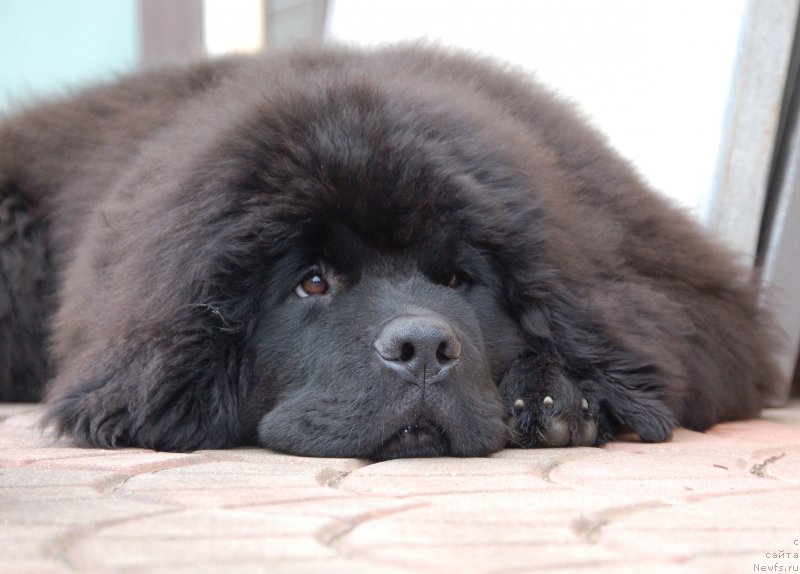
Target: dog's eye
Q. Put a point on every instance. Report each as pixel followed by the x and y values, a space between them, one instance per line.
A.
pixel 454 280
pixel 313 284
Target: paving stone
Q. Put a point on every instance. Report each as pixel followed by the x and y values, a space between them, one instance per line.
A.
pixel 529 556
pixel 26 477
pixel 304 565
pixel 21 542
pixel 782 465
pixel 261 480
pixel 127 461
pixel 742 526
pixel 212 523
pixel 652 474
pixel 201 543
pixel 8 410
pixel 74 511
pixel 24 456
pixel 759 432
pixel 788 417
pixel 199 537
pixel 31 566
pixel 405 477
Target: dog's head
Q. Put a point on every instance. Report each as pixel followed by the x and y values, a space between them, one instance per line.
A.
pixel 363 352
pixel 384 327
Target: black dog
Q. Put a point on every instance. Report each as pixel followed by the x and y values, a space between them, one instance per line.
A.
pixel 335 253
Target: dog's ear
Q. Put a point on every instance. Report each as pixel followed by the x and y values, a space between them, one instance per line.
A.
pixel 158 303
pixel 151 335
pixel 178 390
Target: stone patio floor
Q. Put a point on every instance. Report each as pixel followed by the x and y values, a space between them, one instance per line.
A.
pixel 724 501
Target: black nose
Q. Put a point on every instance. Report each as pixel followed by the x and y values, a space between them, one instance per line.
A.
pixel 421 348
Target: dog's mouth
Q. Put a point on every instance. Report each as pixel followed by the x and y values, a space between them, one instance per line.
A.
pixel 419 439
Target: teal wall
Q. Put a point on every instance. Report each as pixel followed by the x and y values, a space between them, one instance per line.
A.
pixel 47 46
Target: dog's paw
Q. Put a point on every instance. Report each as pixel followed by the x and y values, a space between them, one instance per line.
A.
pixel 86 423
pixel 547 409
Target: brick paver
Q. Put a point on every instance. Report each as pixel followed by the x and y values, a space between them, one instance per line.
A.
pixel 724 501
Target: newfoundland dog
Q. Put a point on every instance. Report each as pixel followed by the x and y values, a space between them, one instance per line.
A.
pixel 404 252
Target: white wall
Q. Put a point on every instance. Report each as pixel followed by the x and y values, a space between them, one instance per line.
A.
pixel 653 74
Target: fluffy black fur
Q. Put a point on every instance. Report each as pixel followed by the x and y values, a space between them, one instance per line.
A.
pixel 339 253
